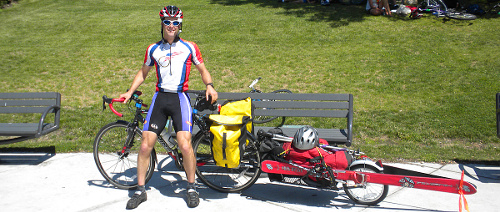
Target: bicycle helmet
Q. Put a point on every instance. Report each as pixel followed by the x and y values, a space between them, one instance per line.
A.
pixel 172 12
pixel 306 138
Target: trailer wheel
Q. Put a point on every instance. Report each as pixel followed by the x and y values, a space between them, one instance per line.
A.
pixel 365 193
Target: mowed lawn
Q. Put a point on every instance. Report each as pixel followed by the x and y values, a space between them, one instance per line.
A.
pixel 424 90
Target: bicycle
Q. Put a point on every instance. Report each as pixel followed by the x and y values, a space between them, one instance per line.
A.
pixel 439 9
pixel 265 119
pixel 116 145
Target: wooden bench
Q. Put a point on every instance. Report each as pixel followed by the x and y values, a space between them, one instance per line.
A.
pixel 302 105
pixel 28 103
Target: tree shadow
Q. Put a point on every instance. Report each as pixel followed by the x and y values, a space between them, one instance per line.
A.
pixel 336 14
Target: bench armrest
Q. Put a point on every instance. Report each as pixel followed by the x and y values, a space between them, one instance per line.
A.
pixel 51 109
pixel 350 120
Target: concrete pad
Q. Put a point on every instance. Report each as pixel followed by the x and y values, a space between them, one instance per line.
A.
pixel 71 182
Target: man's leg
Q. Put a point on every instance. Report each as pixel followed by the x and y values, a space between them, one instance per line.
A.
pixel 189 162
pixel 385 5
pixel 147 143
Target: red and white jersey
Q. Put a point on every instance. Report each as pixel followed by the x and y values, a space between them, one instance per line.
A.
pixel 173 64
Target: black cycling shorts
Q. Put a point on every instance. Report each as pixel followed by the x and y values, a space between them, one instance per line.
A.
pixel 174 105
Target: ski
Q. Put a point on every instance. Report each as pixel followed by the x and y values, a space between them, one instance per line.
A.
pixel 426 183
pixel 434 183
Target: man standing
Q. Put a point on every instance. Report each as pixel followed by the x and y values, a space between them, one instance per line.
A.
pixel 172 57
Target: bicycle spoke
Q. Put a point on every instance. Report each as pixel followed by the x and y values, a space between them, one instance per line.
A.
pixel 226 179
pixel 117 168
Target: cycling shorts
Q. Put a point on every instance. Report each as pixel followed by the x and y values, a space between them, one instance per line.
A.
pixel 177 106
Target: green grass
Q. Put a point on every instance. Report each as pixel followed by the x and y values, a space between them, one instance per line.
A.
pixel 424 89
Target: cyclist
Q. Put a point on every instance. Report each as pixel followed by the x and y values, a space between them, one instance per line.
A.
pixel 172 57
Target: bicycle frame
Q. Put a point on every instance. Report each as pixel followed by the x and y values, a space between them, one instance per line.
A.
pixel 434 6
pixel 198 119
pixel 439 9
pixel 119 142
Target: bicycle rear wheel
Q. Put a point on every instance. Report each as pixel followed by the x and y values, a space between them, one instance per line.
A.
pixel 115 154
pixel 225 179
pixel 265 119
pixel 460 16
pixel 367 193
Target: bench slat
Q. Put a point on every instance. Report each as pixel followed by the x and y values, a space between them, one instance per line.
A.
pixel 27 102
pixel 22 109
pixel 286 96
pixel 18 129
pixel 301 104
pixel 330 135
pixel 22 129
pixel 302 113
pixel 39 95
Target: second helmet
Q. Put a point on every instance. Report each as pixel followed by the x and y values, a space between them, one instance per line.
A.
pixel 306 138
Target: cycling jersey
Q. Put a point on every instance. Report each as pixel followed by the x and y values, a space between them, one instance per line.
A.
pixel 173 64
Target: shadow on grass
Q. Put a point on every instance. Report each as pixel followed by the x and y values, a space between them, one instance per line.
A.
pixel 336 14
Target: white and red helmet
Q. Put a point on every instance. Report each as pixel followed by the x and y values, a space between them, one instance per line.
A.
pixel 171 12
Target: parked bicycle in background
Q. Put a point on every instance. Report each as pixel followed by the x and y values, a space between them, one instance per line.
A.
pixel 266 119
pixel 439 9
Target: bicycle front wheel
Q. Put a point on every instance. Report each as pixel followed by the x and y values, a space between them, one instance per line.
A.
pixel 366 193
pixel 265 119
pixel 226 179
pixel 116 148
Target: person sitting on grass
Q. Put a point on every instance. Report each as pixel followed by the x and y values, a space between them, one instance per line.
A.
pixel 378 7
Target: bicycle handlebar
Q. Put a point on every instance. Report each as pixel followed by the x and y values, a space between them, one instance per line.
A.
pixel 274 136
pixel 201 103
pixel 254 82
pixel 110 102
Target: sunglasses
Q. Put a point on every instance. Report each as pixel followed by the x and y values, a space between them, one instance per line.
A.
pixel 168 22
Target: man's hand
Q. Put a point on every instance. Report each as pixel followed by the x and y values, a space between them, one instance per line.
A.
pixel 126 96
pixel 211 92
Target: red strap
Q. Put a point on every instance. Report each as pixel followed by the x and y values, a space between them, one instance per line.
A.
pixel 461 192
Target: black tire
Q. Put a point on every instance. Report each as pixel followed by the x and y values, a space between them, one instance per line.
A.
pixel 225 179
pixel 265 119
pixel 119 169
pixel 368 193
pixel 460 16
